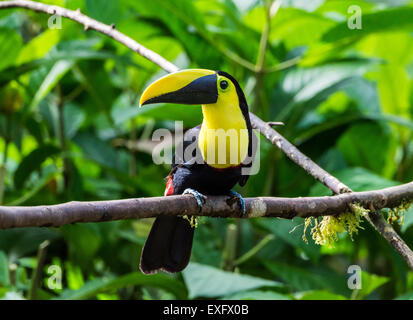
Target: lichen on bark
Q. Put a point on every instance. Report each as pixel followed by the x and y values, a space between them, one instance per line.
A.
pixel 326 231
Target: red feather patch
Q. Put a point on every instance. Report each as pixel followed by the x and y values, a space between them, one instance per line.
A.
pixel 169 190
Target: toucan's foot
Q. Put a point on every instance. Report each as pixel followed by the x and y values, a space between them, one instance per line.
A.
pixel 200 198
pixel 240 199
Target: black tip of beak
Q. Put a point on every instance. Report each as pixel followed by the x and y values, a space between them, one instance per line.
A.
pixel 147 102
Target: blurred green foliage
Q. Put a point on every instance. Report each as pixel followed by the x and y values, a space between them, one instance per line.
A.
pixel 70 129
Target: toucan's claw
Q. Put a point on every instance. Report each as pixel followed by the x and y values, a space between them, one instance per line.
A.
pixel 240 199
pixel 200 198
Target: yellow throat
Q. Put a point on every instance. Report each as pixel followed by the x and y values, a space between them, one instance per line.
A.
pixel 223 139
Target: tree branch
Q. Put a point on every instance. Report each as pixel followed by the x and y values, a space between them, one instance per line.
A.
pixel 299 158
pixel 214 207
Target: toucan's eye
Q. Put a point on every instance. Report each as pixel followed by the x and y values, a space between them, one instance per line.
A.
pixel 223 84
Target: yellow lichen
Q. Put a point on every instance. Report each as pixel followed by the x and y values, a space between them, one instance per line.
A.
pixel 193 221
pixel 307 222
pixel 326 231
pixel 397 214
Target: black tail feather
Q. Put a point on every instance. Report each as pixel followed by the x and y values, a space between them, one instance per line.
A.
pixel 168 246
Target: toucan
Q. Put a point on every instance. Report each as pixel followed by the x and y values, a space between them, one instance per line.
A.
pixel 206 163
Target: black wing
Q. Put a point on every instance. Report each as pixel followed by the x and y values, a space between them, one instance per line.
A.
pixel 187 150
pixel 248 161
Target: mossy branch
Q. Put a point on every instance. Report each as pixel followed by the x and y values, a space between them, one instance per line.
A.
pixel 215 206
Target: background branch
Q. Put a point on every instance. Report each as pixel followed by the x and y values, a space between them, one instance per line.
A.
pixel 93 24
pixel 293 153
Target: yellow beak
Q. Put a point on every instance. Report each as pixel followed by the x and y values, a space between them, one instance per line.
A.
pixel 191 86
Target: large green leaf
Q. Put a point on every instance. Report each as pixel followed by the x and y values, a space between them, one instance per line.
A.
pixel 318 295
pixel 180 19
pixel 39 46
pixel 190 115
pixel 302 279
pixel 73 116
pixel 4 270
pixel 49 174
pixel 97 149
pixel 32 162
pixel 406 296
pixel 12 295
pixel 366 152
pixel 93 287
pixel 55 56
pixel 257 295
pixel 394 47
pixel 206 281
pixel 83 241
pixel 298 27
pixel 394 89
pixel 369 283
pixel 340 8
pixel 290 231
pixel 54 75
pixel 304 88
pixel 105 11
pixel 297 278
pixel 25 241
pixel 382 21
pixel 11 43
pixel 358 179
pixel 408 219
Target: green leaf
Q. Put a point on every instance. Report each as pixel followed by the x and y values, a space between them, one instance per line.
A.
pixel 25 241
pixel 408 219
pixel 302 89
pixel 11 43
pixel 180 18
pixel 341 7
pixel 394 47
pixel 206 281
pixel 306 280
pixel 74 276
pixel 358 179
pixel 32 162
pixel 104 11
pixel 83 241
pixel 298 27
pixel 4 270
pixel 39 46
pixel 93 287
pixel 318 295
pixel 49 174
pixel 394 90
pixel 69 52
pixel 12 295
pixel 257 295
pixel 369 283
pixel 190 115
pixel 289 232
pixel 53 77
pixel 406 296
pixel 97 149
pixel 124 109
pixel 382 21
pixel 379 158
pixel 73 116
